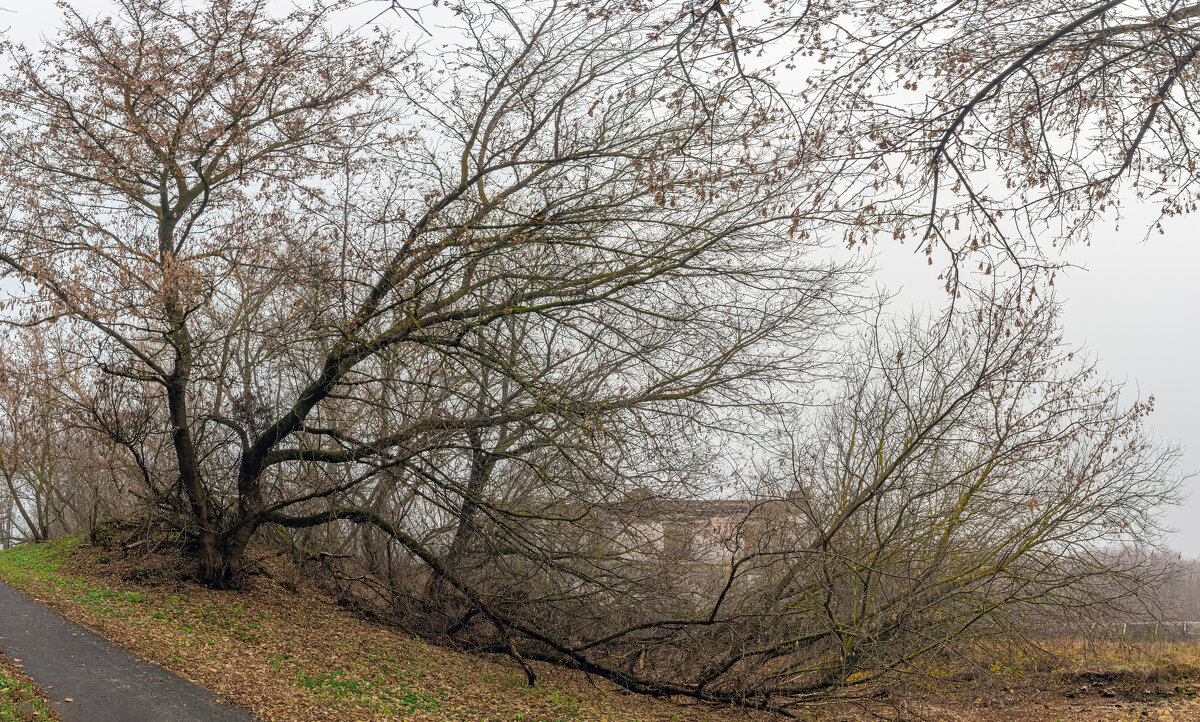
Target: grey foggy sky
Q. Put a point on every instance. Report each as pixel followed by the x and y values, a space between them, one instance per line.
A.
pixel 1134 307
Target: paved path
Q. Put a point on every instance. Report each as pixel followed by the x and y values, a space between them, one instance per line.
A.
pixel 105 682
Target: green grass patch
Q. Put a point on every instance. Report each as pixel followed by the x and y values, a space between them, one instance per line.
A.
pixel 376 694
pixel 37 562
pixel 20 700
pixel 41 568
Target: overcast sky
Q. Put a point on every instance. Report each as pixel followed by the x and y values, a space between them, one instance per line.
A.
pixel 1133 305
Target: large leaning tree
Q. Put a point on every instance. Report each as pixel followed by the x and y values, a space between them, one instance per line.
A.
pixel 344 276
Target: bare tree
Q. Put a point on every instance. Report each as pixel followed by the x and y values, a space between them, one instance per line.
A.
pixel 504 320
pixel 58 477
pixel 968 475
pixel 304 240
pixel 29 440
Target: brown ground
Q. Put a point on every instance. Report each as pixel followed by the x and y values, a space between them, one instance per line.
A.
pixel 21 699
pixel 1043 700
pixel 1072 683
pixel 285 655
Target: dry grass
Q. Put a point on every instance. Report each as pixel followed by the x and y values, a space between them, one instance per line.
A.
pixel 296 656
pixel 1068 680
pixel 1146 661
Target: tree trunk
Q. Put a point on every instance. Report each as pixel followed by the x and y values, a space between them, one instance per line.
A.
pixel 481 468
pixel 222 556
pixel 467 532
pixel 215 570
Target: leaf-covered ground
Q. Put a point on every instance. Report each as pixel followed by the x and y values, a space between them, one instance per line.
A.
pixel 21 699
pixel 284 655
pixel 295 655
